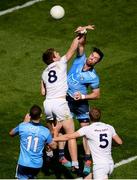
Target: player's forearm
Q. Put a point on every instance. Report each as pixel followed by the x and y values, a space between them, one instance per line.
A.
pixel 117 139
pixel 43 90
pixel 92 96
pixel 12 133
pixel 72 48
pixel 61 138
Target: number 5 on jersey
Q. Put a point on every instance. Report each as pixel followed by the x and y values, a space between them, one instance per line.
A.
pixel 103 140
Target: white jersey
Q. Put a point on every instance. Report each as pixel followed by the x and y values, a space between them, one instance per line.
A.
pixel 99 136
pixel 55 79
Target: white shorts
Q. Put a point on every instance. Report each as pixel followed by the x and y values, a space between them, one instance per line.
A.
pixel 57 109
pixel 102 171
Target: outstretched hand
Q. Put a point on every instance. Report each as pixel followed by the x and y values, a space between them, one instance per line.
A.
pixel 55 129
pixel 27 118
pixel 83 29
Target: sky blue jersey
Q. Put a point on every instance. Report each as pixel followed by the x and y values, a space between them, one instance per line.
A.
pixel 79 80
pixel 33 137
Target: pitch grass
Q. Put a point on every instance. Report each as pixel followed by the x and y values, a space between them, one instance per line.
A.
pixel 5 4
pixel 26 33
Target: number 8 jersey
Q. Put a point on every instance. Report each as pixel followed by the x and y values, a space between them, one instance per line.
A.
pixel 55 79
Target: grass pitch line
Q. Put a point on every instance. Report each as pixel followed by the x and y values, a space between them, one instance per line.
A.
pixel 19 7
pixel 126 161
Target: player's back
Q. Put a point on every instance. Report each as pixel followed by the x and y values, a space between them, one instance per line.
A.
pixel 33 137
pixel 100 141
pixel 55 79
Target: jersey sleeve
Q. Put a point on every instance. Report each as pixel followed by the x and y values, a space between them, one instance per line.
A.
pixel 49 139
pixel 42 76
pixel 82 131
pixel 63 59
pixel 80 59
pixel 95 83
pixel 113 131
pixel 16 130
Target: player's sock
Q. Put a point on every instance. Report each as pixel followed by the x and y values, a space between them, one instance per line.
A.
pixel 49 153
pixel 62 159
pixel 87 164
pixel 61 153
pixel 75 164
pixel 87 167
pixel 65 162
pixel 87 157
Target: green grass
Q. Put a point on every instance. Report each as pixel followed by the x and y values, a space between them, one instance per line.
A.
pixel 26 33
pixel 6 4
pixel 126 171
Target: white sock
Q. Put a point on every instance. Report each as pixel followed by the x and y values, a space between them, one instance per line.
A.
pixel 75 164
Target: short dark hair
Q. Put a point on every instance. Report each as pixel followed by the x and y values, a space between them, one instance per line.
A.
pixel 95 114
pixel 35 112
pixel 48 56
pixel 97 50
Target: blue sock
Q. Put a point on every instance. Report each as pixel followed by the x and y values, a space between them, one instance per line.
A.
pixel 87 157
pixel 61 153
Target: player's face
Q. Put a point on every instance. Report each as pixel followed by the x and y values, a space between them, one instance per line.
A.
pixel 56 56
pixel 93 59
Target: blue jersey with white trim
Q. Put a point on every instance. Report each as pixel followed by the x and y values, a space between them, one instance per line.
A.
pixel 79 80
pixel 33 137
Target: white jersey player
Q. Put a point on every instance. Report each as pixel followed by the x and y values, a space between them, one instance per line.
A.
pixel 54 87
pixel 100 136
pixel 55 80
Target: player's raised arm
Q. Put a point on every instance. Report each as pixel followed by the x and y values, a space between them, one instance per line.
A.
pixel 72 48
pixel 81 33
pixel 27 118
pixel 79 42
pixel 83 29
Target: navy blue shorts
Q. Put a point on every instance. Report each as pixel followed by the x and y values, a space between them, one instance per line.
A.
pixel 79 109
pixel 23 172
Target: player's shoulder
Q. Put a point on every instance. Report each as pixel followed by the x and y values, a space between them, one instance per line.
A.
pixel 23 123
pixel 94 73
pixel 44 129
pixel 63 59
pixel 109 126
pixel 79 59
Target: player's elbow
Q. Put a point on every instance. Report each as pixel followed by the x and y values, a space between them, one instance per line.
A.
pixel 43 93
pixel 97 95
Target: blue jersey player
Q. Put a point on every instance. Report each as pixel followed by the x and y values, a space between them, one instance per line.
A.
pixel 33 138
pixel 82 76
